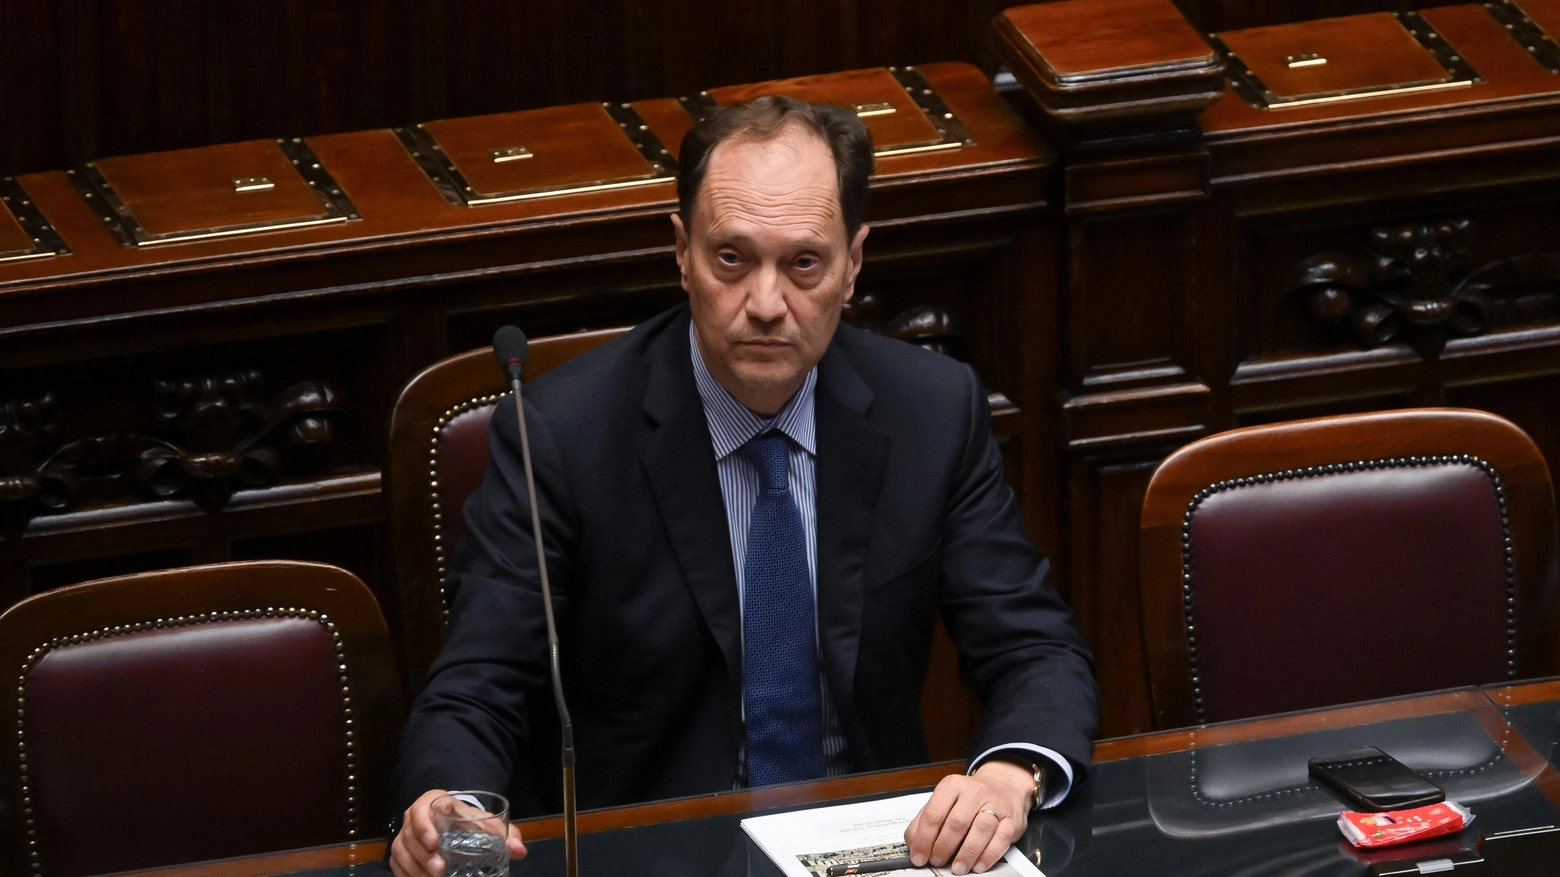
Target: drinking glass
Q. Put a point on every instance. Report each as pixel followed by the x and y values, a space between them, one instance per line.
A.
pixel 473 833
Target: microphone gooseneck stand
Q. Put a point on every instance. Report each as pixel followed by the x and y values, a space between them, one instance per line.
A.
pixel 513 364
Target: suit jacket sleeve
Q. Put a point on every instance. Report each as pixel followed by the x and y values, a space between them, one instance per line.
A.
pixel 1019 650
pixel 468 724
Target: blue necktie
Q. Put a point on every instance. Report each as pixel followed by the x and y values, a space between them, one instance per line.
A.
pixel 780 690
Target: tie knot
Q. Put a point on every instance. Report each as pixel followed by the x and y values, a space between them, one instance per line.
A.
pixel 770 454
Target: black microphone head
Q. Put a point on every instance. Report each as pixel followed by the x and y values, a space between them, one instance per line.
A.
pixel 509 347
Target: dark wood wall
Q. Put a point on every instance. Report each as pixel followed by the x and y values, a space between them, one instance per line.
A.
pixel 80 79
pixel 1219 15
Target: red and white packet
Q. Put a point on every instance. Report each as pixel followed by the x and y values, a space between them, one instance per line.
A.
pixel 1401 826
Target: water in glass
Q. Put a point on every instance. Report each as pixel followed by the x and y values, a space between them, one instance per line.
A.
pixel 470 853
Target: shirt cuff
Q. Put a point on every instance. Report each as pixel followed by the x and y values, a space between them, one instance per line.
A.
pixel 1059 774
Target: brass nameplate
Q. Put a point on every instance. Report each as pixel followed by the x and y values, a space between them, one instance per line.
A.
pixel 1310 59
pixel 875 108
pixel 252 184
pixel 510 153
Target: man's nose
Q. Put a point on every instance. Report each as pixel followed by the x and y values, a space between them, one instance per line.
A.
pixel 766 296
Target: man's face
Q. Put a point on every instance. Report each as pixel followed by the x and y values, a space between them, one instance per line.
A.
pixel 766 263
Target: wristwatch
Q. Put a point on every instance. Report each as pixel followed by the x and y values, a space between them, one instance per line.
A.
pixel 1037 772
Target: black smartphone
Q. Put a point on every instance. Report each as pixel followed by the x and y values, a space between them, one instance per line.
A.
pixel 1374 781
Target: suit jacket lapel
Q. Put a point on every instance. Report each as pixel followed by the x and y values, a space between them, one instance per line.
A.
pixel 850 462
pixel 680 464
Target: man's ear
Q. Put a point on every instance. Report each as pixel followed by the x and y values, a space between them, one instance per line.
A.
pixel 855 261
pixel 682 248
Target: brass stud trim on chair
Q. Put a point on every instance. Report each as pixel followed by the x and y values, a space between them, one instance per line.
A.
pixel 1189 604
pixel 37 654
pixel 436 506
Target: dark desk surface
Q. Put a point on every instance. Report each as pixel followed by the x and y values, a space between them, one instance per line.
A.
pixel 1215 800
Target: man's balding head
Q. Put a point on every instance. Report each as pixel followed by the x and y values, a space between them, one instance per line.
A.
pixel 839 129
pixel 769 237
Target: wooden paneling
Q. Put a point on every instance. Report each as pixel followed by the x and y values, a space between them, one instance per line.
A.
pixel 83 79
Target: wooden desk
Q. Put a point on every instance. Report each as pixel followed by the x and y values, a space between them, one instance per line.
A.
pixel 1126 798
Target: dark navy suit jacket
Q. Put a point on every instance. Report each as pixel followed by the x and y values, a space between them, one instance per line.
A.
pixel 913 517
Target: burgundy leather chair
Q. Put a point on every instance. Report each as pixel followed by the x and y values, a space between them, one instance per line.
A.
pixel 193 714
pixel 1347 558
pixel 438 452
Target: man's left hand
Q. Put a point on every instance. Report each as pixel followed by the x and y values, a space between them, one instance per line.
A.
pixel 972 820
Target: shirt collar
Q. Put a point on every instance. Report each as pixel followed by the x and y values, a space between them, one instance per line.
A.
pixel 732 424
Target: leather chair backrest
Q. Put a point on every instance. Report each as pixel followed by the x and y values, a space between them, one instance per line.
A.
pixel 438 455
pixel 198 713
pixel 1343 559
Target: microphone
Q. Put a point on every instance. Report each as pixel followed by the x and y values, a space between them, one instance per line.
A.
pixel 510 350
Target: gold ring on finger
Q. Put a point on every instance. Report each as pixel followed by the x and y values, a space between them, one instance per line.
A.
pixel 992 812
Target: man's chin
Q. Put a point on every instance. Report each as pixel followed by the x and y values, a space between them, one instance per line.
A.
pixel 767 379
pixel 776 378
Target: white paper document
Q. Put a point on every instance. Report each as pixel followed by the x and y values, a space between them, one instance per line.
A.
pixel 804 843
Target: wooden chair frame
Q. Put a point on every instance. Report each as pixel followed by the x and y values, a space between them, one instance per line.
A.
pixel 437 395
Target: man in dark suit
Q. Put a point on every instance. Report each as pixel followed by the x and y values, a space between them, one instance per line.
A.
pixel 752 516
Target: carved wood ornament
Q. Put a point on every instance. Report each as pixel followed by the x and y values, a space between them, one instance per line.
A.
pixel 214 435
pixel 1416 284
pixel 27 429
pixel 928 326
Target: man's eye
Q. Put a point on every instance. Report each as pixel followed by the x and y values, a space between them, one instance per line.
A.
pixel 806 262
pixel 727 258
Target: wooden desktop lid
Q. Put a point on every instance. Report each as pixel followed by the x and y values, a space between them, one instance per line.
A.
pixel 537 153
pixel 211 191
pixel 1083 40
pixel 886 100
pixel 1338 57
pixel 1087 60
pixel 1545 14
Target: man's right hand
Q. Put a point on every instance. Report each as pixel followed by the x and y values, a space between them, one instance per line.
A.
pixel 415 850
